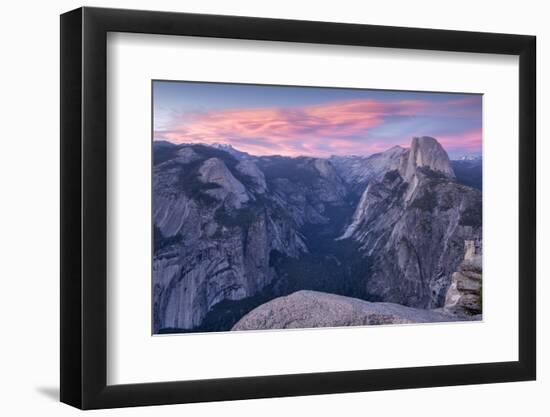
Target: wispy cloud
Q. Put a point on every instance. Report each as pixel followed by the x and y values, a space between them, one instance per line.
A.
pixel 468 141
pixel 337 127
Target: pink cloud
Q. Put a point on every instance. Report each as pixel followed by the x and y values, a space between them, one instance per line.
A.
pixel 319 130
pixel 288 131
pixel 466 141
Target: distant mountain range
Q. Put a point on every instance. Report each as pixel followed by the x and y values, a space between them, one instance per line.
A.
pixel 469 171
pixel 233 230
pixel 469 158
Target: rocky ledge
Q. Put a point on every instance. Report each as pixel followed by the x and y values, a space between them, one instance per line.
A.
pixel 308 309
pixel 464 295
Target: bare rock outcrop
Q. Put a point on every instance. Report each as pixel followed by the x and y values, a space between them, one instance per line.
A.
pixel 357 170
pixel 464 296
pixel 310 309
pixel 250 169
pixel 426 152
pixel 214 171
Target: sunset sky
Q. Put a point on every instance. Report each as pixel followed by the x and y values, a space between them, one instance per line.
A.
pixel 292 121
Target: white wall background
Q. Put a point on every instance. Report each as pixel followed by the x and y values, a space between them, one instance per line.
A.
pixel 29 225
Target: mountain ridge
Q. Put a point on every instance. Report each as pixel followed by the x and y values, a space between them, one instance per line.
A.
pixel 233 230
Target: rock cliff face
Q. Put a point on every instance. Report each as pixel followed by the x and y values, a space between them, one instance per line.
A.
pixel 412 224
pixel 310 309
pixel 218 220
pixel 357 171
pixel 232 230
pixel 426 152
pixel 212 239
pixel 464 296
pixel 229 190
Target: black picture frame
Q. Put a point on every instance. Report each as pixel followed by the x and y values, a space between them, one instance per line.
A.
pixel 84 207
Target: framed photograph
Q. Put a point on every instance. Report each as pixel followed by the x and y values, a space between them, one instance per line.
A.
pixel 256 208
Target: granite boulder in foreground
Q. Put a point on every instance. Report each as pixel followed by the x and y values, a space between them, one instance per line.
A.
pixel 308 309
